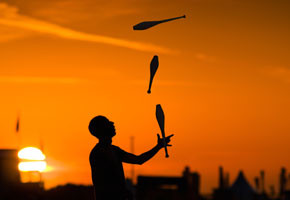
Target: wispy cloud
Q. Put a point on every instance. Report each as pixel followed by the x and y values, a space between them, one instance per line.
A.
pixel 9 16
pixel 7 34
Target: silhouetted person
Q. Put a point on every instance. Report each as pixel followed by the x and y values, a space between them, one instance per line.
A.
pixel 106 160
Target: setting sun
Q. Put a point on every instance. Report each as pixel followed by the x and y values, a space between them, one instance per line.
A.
pixel 31 153
pixel 32 159
pixel 39 166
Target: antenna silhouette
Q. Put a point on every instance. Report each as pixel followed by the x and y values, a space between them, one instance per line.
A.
pixel 132 141
pixel 17 131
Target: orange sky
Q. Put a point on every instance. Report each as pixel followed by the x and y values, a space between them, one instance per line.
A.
pixel 223 82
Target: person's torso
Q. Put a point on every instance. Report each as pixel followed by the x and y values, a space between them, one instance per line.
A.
pixel 107 170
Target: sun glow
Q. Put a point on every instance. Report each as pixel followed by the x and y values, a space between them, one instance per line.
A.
pixel 39 166
pixel 32 159
pixel 31 153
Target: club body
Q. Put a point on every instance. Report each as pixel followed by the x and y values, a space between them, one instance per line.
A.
pixel 153 68
pixel 161 120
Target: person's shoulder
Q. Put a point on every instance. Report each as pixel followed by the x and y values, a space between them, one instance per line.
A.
pixel 95 150
pixel 97 153
pixel 118 149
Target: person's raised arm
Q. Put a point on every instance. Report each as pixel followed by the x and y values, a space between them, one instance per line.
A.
pixel 134 159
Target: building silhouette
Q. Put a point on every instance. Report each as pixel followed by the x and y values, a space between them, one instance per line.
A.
pixel 185 187
pixel 241 189
pixel 9 174
pixel 11 187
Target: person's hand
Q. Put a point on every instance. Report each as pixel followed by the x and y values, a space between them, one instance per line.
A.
pixel 160 142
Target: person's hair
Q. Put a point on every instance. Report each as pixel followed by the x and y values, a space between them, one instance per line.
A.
pixel 98 125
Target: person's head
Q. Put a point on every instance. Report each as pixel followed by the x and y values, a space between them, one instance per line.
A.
pixel 102 128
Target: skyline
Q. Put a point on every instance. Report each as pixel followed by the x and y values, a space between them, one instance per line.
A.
pixel 224 89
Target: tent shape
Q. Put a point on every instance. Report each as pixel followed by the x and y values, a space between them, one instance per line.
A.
pixel 241 189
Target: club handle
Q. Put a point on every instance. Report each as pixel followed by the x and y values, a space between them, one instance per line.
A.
pixel 166 152
pixel 165 147
pixel 150 84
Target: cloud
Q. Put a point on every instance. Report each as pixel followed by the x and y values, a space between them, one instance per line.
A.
pixel 9 16
pixel 7 34
pixel 75 11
